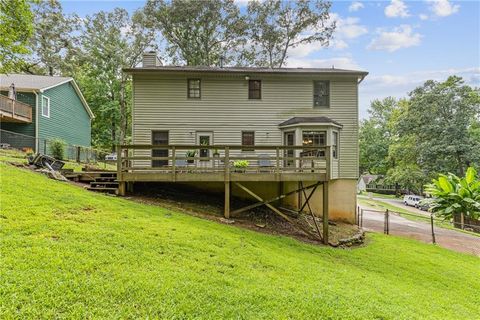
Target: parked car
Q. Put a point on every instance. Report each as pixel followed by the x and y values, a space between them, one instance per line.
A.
pixel 425 204
pixel 111 157
pixel 412 200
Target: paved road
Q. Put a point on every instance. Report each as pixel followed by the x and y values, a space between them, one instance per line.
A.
pixel 398 203
pixel 450 239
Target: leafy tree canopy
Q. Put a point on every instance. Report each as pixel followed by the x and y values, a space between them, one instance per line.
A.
pixel 16 28
pixel 277 26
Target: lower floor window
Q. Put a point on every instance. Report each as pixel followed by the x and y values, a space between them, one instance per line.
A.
pixel 314 139
pixel 248 139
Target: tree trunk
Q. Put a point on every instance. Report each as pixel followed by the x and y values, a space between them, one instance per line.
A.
pixel 114 136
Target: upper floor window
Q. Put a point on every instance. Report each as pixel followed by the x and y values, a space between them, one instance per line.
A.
pixel 194 91
pixel 335 144
pixel 254 89
pixel 46 107
pixel 248 139
pixel 321 93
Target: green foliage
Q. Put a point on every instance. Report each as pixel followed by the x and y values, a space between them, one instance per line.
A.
pixel 454 195
pixel 376 136
pixel 16 28
pixel 53 44
pixel 436 130
pixel 111 41
pixel 191 153
pixel 108 257
pixel 241 164
pixel 57 148
pixel 278 26
pixel 199 32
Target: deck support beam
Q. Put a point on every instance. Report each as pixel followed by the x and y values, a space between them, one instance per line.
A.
pixel 226 212
pixel 267 203
pixel 121 188
pixel 325 212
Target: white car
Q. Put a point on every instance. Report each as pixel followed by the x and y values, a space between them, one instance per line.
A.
pixel 412 200
pixel 111 157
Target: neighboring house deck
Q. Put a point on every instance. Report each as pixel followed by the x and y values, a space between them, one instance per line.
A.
pixel 14 111
pixel 294 128
pixel 45 108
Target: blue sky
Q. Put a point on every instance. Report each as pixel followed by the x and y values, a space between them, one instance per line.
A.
pixel 400 43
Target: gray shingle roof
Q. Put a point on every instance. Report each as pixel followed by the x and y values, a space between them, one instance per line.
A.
pixel 30 82
pixel 298 120
pixel 246 70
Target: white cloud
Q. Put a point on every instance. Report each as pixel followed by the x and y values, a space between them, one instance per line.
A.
pixel 346 29
pixel 423 16
pixel 443 8
pixel 399 85
pixel 338 63
pixel 397 8
pixel 355 6
pixel 399 37
pixel 349 28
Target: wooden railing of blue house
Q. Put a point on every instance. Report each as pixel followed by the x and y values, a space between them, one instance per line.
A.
pixel 14 111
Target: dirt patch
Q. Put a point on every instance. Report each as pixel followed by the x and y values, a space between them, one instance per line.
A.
pixel 209 206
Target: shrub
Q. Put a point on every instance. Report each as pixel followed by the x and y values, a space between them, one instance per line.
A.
pixel 57 148
pixel 456 196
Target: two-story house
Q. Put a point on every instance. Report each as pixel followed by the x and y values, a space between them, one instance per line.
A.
pixel 292 126
pixel 37 109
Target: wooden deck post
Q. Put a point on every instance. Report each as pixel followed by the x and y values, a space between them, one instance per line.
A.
pixel 325 212
pixel 226 163
pixel 121 184
pixel 227 200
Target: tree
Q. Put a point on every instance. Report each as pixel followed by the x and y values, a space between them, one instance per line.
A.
pixel 111 41
pixel 16 28
pixel 277 26
pixel 439 115
pixel 376 136
pixel 53 41
pixel 456 196
pixel 198 32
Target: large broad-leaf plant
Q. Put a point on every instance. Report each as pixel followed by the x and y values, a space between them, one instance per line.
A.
pixel 453 195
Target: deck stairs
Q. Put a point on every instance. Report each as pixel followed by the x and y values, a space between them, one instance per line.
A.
pixel 100 181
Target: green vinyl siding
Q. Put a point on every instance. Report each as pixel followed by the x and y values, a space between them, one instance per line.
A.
pixel 23 128
pixel 68 119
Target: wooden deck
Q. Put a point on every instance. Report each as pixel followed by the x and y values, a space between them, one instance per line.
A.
pixel 14 111
pixel 220 163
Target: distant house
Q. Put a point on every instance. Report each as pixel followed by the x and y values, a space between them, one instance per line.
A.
pixel 364 180
pixel 35 109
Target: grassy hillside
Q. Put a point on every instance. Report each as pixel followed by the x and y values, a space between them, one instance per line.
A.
pixel 69 253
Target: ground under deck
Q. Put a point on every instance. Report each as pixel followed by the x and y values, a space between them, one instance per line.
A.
pixel 176 163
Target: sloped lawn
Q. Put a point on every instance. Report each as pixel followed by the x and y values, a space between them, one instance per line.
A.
pixel 70 253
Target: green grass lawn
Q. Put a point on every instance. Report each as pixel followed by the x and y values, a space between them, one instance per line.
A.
pixel 20 157
pixel 69 253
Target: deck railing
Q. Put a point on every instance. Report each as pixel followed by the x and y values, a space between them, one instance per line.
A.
pixel 224 159
pixel 15 110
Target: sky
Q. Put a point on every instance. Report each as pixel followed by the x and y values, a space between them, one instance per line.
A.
pixel 400 43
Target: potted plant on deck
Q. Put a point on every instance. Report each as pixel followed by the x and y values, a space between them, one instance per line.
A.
pixel 240 165
pixel 190 154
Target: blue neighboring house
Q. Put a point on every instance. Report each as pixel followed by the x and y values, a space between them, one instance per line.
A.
pixel 43 108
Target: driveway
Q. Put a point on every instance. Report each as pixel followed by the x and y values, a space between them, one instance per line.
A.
pixel 398 203
pixel 399 226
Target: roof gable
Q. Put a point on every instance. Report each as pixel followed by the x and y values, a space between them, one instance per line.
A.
pixel 29 82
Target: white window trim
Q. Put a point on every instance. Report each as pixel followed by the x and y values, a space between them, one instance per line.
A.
pixel 48 107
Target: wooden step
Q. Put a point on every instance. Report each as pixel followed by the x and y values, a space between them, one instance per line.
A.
pixel 102 189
